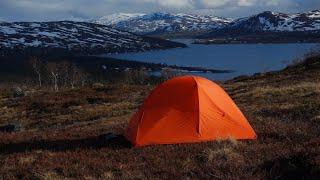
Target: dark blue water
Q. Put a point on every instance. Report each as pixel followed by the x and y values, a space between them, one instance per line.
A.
pixel 244 59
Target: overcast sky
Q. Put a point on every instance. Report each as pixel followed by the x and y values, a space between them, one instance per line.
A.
pixel 37 10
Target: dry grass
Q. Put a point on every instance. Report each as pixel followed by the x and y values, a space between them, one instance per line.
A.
pixel 59 135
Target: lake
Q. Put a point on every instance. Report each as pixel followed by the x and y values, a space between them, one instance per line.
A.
pixel 243 59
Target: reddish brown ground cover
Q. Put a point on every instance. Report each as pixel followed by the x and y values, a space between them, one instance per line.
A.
pixel 60 133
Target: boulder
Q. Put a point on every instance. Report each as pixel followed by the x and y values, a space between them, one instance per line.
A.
pixel 18 92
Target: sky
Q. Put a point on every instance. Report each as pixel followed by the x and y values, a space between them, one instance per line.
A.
pixel 46 10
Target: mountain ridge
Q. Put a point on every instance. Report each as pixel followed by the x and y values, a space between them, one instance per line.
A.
pixel 269 27
pixel 162 22
pixel 274 21
pixel 78 37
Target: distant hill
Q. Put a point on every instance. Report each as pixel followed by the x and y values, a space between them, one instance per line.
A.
pixel 270 27
pixel 113 19
pixel 75 37
pixel 272 21
pixel 210 26
pixel 161 23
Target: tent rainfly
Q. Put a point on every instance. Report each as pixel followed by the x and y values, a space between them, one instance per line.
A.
pixel 187 109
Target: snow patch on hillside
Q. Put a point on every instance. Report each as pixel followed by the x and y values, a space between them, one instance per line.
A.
pixel 78 36
pixel 273 21
pixel 163 22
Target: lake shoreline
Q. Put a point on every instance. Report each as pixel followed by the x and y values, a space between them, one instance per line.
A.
pixel 227 41
pixel 13 68
pixel 122 65
pixel 243 59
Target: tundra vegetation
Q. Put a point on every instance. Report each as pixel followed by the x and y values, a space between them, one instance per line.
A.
pixel 54 128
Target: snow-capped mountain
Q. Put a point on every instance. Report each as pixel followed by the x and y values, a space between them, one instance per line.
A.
pixel 113 19
pixel 271 27
pixel 164 23
pixel 158 23
pixel 73 36
pixel 272 21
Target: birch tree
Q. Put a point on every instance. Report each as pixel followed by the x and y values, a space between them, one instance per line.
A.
pixel 37 67
pixel 53 70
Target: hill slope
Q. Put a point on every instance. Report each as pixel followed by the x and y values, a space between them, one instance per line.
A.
pixel 79 37
pixel 170 23
pixel 62 131
pixel 272 21
pixel 270 27
pixel 160 23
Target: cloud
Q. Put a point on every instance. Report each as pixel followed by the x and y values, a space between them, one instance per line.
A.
pixel 246 2
pixel 171 3
pixel 31 10
pixel 214 3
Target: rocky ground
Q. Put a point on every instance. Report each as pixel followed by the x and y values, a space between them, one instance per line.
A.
pixel 56 135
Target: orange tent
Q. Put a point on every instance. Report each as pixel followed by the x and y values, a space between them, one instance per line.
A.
pixel 187 109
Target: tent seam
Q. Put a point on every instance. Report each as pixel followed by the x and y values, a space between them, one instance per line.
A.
pixel 197 106
pixel 138 128
pixel 223 112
